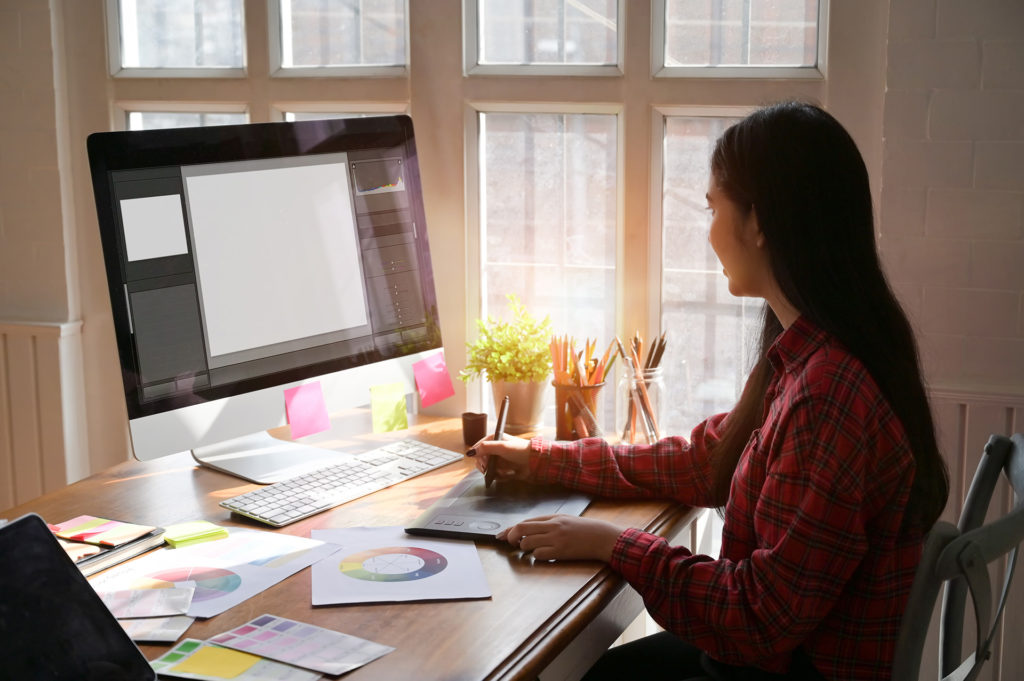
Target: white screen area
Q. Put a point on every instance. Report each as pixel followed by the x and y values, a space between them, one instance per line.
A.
pixel 153 227
pixel 277 257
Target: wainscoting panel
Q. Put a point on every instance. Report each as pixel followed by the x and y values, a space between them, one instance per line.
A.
pixel 964 422
pixel 39 409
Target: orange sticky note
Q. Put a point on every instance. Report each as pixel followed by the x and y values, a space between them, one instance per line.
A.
pixel 432 380
pixel 306 410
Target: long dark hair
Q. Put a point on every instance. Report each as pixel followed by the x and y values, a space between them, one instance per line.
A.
pixel 800 171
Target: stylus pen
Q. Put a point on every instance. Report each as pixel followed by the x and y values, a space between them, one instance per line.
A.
pixel 499 433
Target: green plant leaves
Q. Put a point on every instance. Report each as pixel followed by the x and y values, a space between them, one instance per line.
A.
pixel 513 351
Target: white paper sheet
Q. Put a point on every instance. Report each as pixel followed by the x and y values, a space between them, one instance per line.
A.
pixel 384 564
pixel 157 629
pixel 129 603
pixel 225 572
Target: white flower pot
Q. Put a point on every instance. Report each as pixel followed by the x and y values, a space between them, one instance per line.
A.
pixel 525 404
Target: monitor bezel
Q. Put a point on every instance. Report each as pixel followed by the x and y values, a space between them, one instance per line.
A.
pixel 110 152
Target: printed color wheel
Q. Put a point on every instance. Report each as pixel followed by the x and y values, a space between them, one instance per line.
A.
pixel 393 564
pixel 210 582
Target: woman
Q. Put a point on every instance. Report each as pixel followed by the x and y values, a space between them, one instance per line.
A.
pixel 827 467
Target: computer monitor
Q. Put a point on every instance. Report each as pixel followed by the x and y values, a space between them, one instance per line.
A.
pixel 243 260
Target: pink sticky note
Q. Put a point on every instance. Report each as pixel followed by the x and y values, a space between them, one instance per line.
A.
pixel 306 410
pixel 432 379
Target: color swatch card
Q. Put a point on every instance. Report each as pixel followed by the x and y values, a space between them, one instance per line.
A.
pixel 157 629
pixel 129 603
pixel 192 659
pixel 100 531
pixel 224 572
pixel 303 645
pixel 384 564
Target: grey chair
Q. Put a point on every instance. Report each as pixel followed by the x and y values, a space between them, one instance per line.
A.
pixel 959 558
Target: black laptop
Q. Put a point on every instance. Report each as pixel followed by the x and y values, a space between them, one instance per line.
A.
pixel 53 625
pixel 472 511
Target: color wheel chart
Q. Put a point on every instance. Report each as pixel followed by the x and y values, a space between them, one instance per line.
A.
pixel 225 572
pixel 385 565
pixel 210 582
pixel 393 564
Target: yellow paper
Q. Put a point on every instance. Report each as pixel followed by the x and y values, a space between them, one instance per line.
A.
pixel 213 661
pixel 387 406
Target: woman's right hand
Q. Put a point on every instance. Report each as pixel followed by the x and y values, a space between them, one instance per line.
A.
pixel 513 456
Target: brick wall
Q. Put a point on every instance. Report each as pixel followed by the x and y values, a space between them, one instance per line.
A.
pixel 952 233
pixel 952 213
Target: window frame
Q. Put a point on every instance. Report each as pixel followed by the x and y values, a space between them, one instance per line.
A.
pixel 279 109
pixel 659 127
pixel 275 53
pixel 660 70
pixel 113 21
pixel 124 107
pixel 476 397
pixel 473 67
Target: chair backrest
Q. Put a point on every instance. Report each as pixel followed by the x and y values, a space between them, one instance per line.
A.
pixel 958 558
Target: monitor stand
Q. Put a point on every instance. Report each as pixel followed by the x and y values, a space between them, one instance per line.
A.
pixel 263 459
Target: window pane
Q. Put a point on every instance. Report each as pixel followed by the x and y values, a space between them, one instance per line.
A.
pixel 547 32
pixel 153 120
pixel 708 330
pixel 548 214
pixel 741 32
pixel 291 116
pixel 342 33
pixel 181 34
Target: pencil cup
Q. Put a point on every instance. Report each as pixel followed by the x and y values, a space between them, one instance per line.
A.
pixel 639 404
pixel 576 410
pixel 474 427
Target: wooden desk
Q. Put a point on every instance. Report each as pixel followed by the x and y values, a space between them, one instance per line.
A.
pixel 535 612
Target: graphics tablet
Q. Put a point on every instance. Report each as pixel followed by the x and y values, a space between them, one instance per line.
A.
pixel 53 625
pixel 472 511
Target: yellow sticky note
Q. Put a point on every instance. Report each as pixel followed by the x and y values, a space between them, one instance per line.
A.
pixel 387 406
pixel 223 663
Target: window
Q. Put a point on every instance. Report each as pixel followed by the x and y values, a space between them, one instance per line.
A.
pixel 548 197
pixel 180 38
pixel 740 38
pixel 520 37
pixel 152 120
pixel 704 373
pixel 338 37
pixel 552 171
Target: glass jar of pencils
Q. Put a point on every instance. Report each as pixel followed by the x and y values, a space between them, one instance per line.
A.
pixel 639 402
pixel 576 410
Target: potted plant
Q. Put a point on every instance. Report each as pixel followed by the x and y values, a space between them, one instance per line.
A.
pixel 515 357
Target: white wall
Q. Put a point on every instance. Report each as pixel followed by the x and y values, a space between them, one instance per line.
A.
pixel 43 421
pixel 952 214
pixel 33 277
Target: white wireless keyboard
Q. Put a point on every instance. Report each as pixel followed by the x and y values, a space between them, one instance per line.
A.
pixel 302 496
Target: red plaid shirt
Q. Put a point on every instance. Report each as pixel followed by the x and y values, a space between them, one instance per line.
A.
pixel 812 553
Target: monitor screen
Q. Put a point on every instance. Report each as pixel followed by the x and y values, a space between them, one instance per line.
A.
pixel 246 259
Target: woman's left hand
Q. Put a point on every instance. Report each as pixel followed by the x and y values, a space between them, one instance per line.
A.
pixel 563 537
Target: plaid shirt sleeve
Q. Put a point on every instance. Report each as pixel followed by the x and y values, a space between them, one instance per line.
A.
pixel 672 468
pixel 812 553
